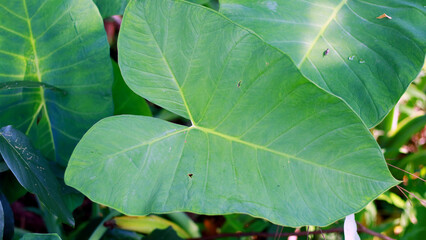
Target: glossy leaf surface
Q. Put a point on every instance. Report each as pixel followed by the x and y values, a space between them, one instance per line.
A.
pixel 264 141
pixel 343 47
pixel 34 173
pixel 61 46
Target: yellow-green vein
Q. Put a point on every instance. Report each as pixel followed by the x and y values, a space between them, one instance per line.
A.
pixel 39 75
pixel 321 32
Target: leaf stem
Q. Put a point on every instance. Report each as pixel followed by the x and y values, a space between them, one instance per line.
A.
pixel 101 229
pixel 415 176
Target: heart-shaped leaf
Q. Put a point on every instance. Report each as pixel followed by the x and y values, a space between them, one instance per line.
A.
pixel 34 173
pixel 264 140
pixel 344 46
pixel 55 61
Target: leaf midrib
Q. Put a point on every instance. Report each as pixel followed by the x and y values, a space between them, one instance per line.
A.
pixel 238 140
pixel 170 69
pixel 42 106
pixel 257 146
pixel 321 32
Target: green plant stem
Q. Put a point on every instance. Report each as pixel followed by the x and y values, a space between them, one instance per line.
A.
pixel 50 220
pixel 186 223
pixel 101 229
pixel 96 211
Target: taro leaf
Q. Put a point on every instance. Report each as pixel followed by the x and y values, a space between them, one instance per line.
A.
pixel 37 236
pixel 370 61
pixel 125 100
pixel 60 46
pixel 264 140
pixel 33 172
pixel 108 8
pixel 6 219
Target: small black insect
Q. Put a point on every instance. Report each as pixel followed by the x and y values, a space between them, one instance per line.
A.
pixel 190 175
pixel 325 53
pixel 239 84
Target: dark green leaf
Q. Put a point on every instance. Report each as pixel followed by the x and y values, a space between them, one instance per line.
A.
pixel 10 187
pixel 264 140
pixel 163 234
pixel 108 8
pixel 412 162
pixel 3 165
pixel 118 234
pixel 62 47
pixel 125 100
pixel 243 223
pixel 6 219
pixel 418 230
pixel 370 61
pixel 33 172
pixel 37 236
pixel 403 134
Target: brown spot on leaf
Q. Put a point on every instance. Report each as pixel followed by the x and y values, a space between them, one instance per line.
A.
pixel 384 15
pixel 190 175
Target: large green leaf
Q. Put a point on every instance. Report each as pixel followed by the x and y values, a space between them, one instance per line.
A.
pixel 62 46
pixel 264 140
pixel 34 173
pixel 370 61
